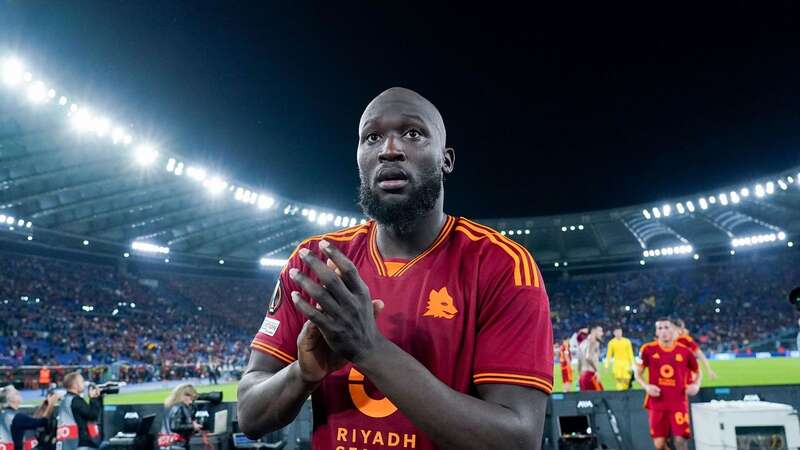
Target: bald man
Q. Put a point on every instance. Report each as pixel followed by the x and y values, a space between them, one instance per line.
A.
pixel 415 330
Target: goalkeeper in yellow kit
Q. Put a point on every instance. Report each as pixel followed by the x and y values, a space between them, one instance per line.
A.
pixel 621 351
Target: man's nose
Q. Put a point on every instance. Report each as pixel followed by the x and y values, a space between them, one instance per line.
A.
pixel 391 151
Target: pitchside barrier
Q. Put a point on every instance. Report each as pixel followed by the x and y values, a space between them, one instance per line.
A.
pixel 579 410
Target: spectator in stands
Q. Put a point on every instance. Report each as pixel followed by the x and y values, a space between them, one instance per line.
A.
pixel 178 424
pixel 77 420
pixel 798 335
pixel 15 427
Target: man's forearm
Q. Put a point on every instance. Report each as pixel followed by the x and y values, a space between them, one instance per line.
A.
pixel 268 402
pixel 449 418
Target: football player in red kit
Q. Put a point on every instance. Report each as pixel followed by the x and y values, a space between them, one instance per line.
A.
pixel 673 374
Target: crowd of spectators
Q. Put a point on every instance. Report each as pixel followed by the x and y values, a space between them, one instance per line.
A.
pixel 148 326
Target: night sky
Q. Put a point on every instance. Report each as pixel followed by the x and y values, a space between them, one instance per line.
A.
pixel 550 111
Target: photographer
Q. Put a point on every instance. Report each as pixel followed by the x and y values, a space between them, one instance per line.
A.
pixel 47 435
pixel 77 420
pixel 178 425
pixel 16 428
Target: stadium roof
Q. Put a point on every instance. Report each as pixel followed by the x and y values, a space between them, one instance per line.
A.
pixel 71 178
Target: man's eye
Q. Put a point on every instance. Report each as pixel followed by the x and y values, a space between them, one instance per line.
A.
pixel 373 138
pixel 413 134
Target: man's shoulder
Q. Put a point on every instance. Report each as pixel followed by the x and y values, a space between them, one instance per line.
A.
pixel 497 251
pixel 648 347
pixel 347 240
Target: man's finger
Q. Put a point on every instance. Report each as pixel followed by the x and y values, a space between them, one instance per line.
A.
pixel 377 307
pixel 315 291
pixel 332 265
pixel 348 271
pixel 314 315
pixel 332 282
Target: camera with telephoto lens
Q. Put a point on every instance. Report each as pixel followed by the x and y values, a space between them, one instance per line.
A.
pixel 111 387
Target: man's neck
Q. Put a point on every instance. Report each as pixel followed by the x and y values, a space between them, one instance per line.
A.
pixel 73 392
pixel 412 239
pixel 666 344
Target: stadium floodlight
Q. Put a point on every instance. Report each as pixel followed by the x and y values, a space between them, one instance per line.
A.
pixel 519 232
pixel 556 264
pixel 690 206
pixel 51 93
pixel 196 173
pixel 353 221
pixel 239 194
pixel 510 232
pixel 712 200
pixel 273 262
pixel 30 238
pixel 744 192
pixel 85 242
pixel 101 125
pixel 215 185
pixel 666 210
pixel 304 212
pixel 20 222
pixel 733 252
pixel 147 247
pixel 781 235
pixel 221 262
pixel 789 179
pixel 734 197
pixel 790 244
pixel 646 214
pixel 171 165
pixel 126 255
pixel 680 208
pixel 563 228
pixel 265 201
pixel 656 213
pixel 527 231
pixel 82 120
pixel 179 169
pixel 696 257
pixel 10 220
pixel 117 135
pixel 312 215
pixel 783 185
pixel 337 221
pixel 13 71
pixel 37 92
pixel 62 101
pixel 572 228
pixel 759 191
pixel 703 203
pixel 166 260
pixel 770 187
pixel 2 218
pixel 145 155
pixel 641 263
pixel 723 199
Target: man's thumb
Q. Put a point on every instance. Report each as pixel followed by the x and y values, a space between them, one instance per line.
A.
pixel 377 306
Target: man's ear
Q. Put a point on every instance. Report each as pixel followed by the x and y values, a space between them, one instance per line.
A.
pixel 448 160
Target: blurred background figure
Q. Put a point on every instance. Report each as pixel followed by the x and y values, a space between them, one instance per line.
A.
pixel 17 428
pixel 46 437
pixel 44 380
pixel 620 351
pixel 77 420
pixel 178 425
pixel 565 360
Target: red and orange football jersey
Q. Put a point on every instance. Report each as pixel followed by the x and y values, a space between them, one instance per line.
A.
pixel 671 369
pixel 472 308
pixel 687 341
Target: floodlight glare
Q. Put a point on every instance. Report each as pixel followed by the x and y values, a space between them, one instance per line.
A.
pixel 272 262
pixel 37 93
pixel 265 201
pixel 646 214
pixel 13 71
pixel 690 206
pixel 145 155
pixel 149 248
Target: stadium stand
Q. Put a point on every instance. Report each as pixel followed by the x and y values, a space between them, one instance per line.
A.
pixel 67 313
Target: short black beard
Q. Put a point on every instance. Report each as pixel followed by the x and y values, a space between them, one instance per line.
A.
pixel 401 216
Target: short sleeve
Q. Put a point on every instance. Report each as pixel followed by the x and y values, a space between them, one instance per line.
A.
pixel 515 336
pixel 691 362
pixel 282 324
pixel 644 356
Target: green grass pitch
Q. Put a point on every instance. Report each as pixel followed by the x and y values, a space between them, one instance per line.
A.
pixel 740 372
